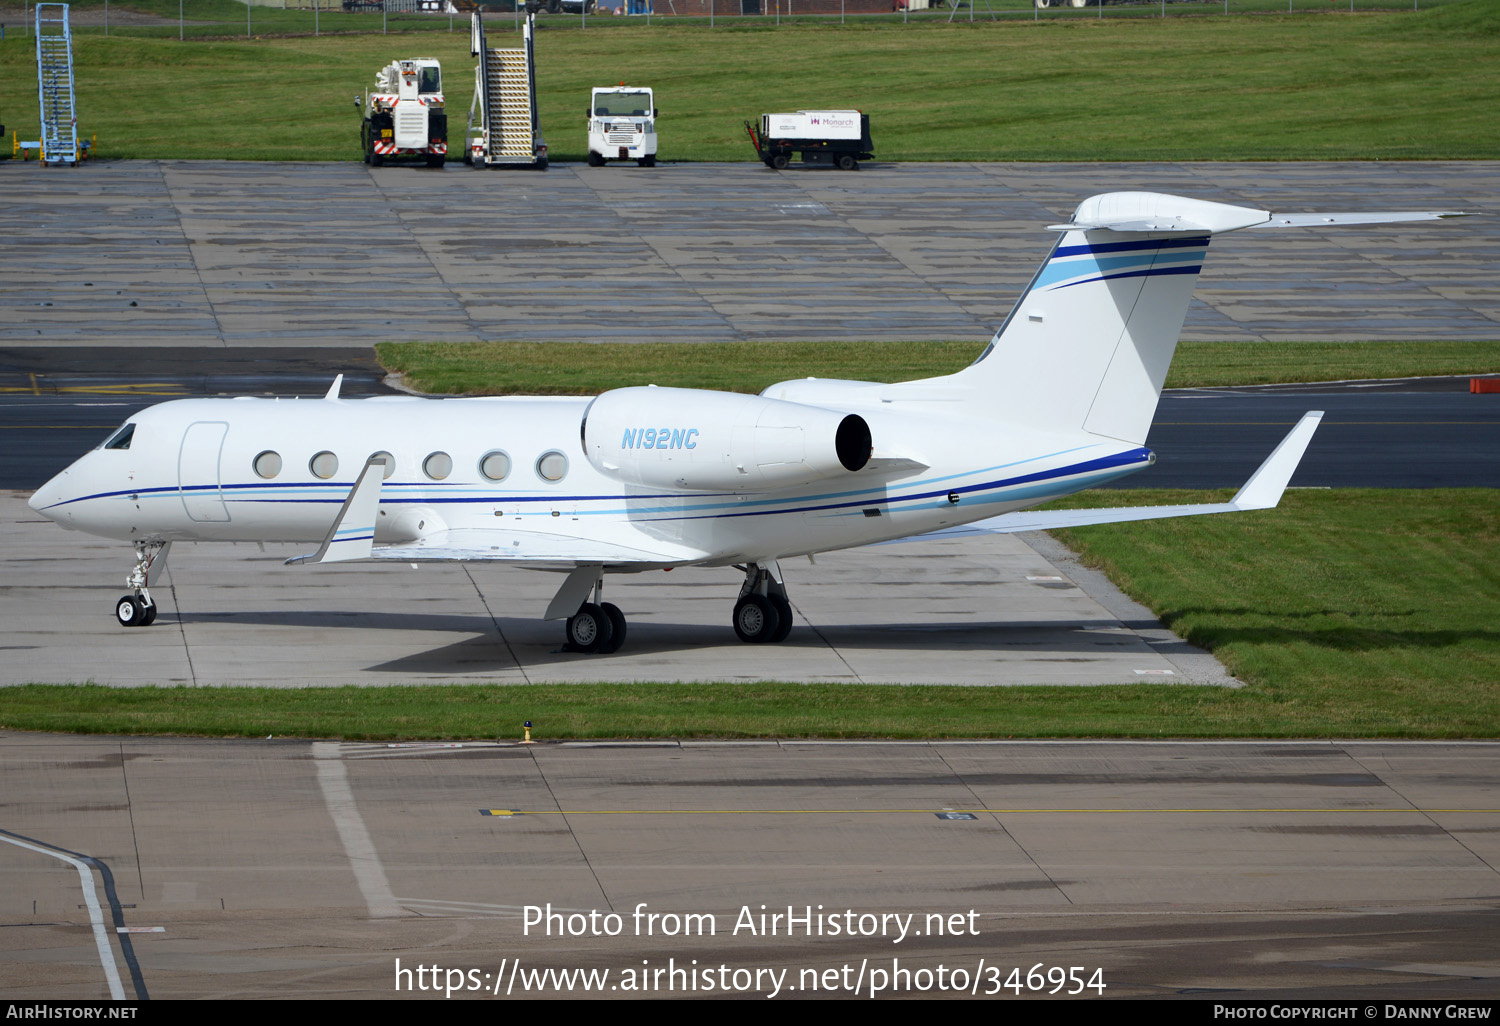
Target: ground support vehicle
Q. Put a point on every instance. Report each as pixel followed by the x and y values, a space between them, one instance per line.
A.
pixel 840 138
pixel 508 133
pixel 622 126
pixel 404 117
pixel 54 74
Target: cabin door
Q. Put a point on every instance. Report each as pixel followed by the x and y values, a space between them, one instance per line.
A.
pixel 198 472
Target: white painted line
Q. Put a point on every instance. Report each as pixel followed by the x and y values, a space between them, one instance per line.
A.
pixel 333 778
pixel 475 908
pixel 1156 673
pixel 140 929
pixel 96 915
pixel 1029 577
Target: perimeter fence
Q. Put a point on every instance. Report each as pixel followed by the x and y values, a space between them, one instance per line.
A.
pixel 219 19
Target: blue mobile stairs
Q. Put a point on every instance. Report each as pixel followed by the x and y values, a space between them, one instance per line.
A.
pixel 54 73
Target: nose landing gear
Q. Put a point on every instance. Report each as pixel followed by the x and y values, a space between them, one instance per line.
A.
pixel 138 609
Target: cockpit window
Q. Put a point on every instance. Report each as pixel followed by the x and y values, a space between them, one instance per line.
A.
pixel 120 439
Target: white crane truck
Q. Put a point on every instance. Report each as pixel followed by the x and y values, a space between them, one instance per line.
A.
pixel 404 115
pixel 622 126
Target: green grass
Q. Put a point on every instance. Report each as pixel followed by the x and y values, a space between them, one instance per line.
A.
pixel 587 368
pixel 1411 85
pixel 1356 613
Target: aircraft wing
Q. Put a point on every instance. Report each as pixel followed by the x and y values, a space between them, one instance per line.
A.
pixel 1262 491
pixel 533 549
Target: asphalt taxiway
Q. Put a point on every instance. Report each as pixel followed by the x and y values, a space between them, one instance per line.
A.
pixel 243 254
pixel 1225 871
pixel 1413 433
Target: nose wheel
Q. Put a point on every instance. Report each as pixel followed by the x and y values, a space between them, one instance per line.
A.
pixel 138 609
pixel 135 610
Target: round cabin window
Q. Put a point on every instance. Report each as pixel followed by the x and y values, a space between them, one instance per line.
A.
pixel 495 466
pixel 438 466
pixel 324 465
pixel 267 464
pixel 553 466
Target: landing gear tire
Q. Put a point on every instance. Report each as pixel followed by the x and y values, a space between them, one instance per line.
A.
pixel 595 160
pixel 784 611
pixel 756 619
pixel 847 163
pixel 590 629
pixel 617 627
pixel 779 161
pixel 132 612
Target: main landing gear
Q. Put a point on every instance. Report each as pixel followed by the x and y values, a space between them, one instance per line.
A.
pixel 763 615
pixel 138 609
pixel 597 627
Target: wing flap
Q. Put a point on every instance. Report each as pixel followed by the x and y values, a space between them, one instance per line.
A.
pixel 533 548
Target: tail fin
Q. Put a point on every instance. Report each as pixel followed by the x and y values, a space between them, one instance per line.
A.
pixel 1088 345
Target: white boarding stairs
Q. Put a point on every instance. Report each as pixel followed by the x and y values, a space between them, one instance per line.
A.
pixel 54 72
pixel 505 97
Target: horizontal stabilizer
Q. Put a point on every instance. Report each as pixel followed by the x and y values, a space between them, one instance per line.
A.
pixel 1319 220
pixel 1262 491
pixel 1156 212
pixel 353 531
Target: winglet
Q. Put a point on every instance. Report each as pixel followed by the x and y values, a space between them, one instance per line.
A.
pixel 353 532
pixel 333 389
pixel 1263 490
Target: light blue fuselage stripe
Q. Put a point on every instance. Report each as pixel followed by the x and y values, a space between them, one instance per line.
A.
pixel 920 495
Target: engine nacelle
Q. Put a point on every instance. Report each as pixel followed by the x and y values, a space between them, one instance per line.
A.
pixel 719 441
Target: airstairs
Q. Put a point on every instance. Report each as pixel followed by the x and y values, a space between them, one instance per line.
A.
pixel 505 102
pixel 54 70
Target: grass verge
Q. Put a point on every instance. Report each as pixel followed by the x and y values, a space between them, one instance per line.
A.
pixel 1239 87
pixel 1361 613
pixel 587 368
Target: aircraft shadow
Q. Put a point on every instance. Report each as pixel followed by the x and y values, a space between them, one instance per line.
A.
pixel 540 643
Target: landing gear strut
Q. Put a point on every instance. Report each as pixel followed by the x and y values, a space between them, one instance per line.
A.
pixel 763 614
pixel 138 609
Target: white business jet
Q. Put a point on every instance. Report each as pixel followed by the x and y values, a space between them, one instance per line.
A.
pixel 651 478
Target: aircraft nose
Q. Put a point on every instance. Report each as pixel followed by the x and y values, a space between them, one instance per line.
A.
pixel 46 499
